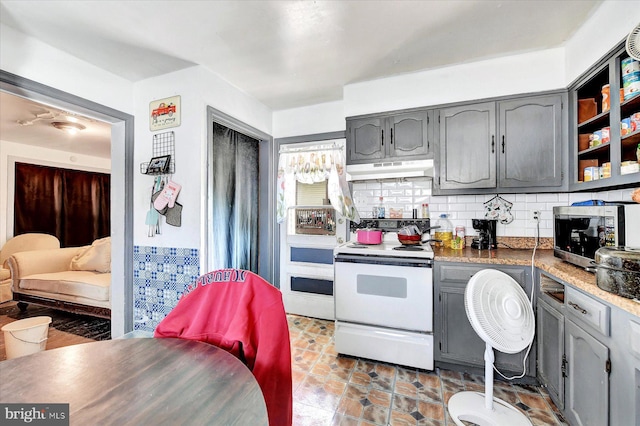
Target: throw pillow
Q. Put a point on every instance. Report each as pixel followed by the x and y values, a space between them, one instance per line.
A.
pixel 96 257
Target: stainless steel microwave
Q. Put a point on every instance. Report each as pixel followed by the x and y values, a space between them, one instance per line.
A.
pixel 578 231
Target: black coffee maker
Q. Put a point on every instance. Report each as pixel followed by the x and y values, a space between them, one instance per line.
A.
pixel 486 234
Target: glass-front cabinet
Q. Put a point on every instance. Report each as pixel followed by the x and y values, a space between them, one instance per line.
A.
pixel 606 124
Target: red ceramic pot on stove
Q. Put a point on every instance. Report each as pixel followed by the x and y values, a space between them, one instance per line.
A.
pixel 369 236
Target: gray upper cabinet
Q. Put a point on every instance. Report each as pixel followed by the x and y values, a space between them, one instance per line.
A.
pixel 409 135
pixel 530 148
pixel 365 140
pixel 467 147
pixel 508 145
pixel 390 137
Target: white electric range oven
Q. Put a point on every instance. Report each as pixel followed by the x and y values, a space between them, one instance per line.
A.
pixel 384 300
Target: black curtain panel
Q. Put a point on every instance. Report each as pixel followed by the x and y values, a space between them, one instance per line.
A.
pixel 73 205
pixel 235 199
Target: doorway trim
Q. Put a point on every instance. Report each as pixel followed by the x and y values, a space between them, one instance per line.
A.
pixel 267 250
pixel 122 167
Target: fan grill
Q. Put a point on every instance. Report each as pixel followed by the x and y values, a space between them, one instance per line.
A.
pixel 633 43
pixel 499 311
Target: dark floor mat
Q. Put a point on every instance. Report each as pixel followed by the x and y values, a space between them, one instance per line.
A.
pixel 81 325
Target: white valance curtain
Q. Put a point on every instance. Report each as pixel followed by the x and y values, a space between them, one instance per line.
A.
pixel 312 164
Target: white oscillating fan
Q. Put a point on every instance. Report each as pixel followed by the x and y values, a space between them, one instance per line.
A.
pixel 501 314
pixel 633 43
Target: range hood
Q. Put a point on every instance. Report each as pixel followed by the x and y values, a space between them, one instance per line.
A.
pixel 390 170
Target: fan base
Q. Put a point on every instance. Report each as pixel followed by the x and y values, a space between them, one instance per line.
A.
pixel 470 407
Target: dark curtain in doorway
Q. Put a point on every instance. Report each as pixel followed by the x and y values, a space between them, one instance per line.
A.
pixel 73 205
pixel 235 200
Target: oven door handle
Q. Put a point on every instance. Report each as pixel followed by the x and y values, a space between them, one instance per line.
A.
pixel 385 260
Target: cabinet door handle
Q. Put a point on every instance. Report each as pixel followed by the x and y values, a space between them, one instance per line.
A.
pixel 493 144
pixel 391 136
pixel 503 144
pixel 382 137
pixel 578 308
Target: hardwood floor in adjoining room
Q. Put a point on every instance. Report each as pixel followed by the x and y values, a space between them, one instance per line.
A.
pixel 65 329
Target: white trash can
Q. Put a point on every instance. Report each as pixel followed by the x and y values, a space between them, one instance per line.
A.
pixel 26 336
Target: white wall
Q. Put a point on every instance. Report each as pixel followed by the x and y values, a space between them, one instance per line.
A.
pixel 531 72
pixel 35 60
pixel 197 88
pixel 603 31
pixel 320 118
pixel 11 152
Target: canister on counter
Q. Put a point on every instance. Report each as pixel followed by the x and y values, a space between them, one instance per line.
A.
pixel 458 241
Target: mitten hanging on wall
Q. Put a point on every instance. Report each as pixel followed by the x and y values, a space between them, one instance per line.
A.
pixel 168 196
pixel 174 215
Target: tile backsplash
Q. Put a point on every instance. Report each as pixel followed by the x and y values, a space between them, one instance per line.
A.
pixel 410 194
pixel 160 276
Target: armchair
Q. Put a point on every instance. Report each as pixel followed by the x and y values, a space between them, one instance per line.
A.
pixel 24 242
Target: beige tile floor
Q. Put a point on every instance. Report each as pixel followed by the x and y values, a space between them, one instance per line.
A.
pixel 331 389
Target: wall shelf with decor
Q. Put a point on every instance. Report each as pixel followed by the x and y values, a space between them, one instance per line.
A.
pixel 603 142
pixel 163 150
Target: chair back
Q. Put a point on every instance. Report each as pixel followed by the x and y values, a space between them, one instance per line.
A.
pixel 242 313
pixel 28 242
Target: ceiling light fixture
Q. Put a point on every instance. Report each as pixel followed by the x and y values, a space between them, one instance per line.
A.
pixel 71 128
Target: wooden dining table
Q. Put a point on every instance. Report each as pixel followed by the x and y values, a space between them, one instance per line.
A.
pixel 139 381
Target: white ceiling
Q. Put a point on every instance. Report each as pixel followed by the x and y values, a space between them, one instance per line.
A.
pixel 289 54
pixel 29 122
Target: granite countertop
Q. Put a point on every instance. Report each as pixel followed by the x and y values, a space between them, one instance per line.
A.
pixel 544 260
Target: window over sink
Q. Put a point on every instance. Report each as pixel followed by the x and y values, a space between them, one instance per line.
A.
pixel 314 214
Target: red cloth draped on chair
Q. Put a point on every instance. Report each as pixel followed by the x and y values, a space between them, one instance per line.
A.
pixel 242 313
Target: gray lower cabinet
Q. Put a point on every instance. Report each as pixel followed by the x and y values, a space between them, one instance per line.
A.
pixel 391 137
pixel 455 340
pixel 550 335
pixel 506 145
pixel 574 339
pixel 587 382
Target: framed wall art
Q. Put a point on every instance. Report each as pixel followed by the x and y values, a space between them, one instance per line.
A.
pixel 159 165
pixel 164 113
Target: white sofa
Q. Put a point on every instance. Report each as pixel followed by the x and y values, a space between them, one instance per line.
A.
pixel 74 279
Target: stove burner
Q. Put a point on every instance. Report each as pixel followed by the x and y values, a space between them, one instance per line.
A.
pixel 409 248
